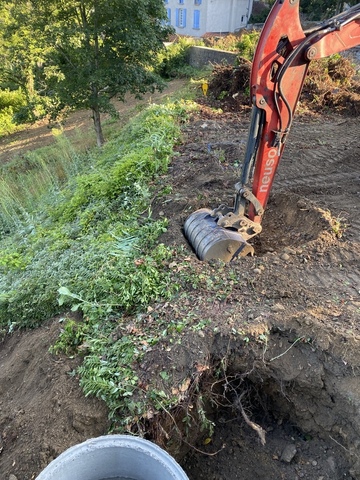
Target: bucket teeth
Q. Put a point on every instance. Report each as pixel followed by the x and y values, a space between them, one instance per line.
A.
pixel 211 241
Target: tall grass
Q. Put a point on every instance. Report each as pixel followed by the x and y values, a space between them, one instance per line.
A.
pixel 25 181
pixel 67 220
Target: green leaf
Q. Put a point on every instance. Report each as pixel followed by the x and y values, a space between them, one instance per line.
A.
pixel 65 291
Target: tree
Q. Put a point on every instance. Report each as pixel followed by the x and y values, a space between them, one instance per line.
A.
pixel 323 9
pixel 97 49
pixel 20 53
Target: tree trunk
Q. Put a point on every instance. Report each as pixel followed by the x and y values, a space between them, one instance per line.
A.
pixel 97 124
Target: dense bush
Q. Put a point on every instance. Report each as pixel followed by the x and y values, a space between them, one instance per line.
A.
pixel 173 61
pixel 247 44
pixel 11 102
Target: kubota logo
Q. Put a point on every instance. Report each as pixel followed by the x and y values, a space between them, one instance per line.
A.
pixel 268 170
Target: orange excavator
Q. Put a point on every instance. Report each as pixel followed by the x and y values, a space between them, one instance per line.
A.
pixel 280 64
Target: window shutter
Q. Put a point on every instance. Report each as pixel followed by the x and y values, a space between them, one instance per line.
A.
pixel 196 19
pixel 177 17
pixel 184 17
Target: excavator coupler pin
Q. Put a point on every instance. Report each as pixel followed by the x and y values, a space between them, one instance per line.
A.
pixel 210 241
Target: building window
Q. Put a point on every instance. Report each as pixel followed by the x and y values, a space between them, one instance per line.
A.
pixel 197 2
pixel 168 10
pixel 196 24
pixel 180 20
pixel 181 2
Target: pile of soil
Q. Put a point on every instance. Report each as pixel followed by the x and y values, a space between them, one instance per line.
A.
pixel 330 85
pixel 276 361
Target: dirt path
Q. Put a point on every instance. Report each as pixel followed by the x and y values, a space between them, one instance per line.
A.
pixel 289 329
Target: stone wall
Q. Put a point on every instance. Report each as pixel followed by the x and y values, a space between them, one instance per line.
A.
pixel 202 56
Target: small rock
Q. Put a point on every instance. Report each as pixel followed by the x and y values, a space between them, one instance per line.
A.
pixel 290 251
pixel 302 204
pixel 331 463
pixel 277 307
pixel 285 257
pixel 288 453
pixel 257 271
pixel 12 477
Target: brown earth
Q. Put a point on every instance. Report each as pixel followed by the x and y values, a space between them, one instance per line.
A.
pixel 277 355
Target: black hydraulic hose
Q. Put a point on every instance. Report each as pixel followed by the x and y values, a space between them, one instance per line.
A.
pixel 289 60
pixel 254 135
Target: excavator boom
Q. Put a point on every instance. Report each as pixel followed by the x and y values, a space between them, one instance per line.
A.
pixel 279 68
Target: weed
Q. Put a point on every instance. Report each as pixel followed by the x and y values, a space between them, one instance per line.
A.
pixel 338 226
pixel 71 337
pixel 247 44
pixel 172 62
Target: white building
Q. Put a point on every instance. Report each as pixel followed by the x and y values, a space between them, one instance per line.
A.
pixel 196 17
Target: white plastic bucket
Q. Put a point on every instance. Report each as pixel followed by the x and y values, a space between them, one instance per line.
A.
pixel 114 457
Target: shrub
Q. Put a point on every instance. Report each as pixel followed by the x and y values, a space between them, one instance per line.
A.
pixel 173 61
pixel 11 102
pixel 247 44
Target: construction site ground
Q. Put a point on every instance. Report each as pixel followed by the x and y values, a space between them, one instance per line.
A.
pixel 286 404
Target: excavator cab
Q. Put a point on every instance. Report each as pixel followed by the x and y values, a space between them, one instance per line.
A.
pixel 279 68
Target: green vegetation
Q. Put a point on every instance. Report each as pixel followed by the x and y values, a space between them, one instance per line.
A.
pixel 172 62
pixel 323 9
pixel 312 9
pixel 227 42
pixel 83 54
pixel 79 234
pixel 88 242
pixel 260 11
pixel 247 44
pixel 12 104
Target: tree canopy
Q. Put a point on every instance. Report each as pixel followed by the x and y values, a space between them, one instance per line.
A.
pixel 82 53
pixel 322 9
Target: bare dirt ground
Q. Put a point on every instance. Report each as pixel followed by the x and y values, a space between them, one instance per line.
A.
pixel 278 355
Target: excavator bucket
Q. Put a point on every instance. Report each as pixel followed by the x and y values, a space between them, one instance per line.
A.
pixel 210 241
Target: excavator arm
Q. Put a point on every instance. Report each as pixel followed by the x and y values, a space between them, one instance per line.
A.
pixel 280 65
